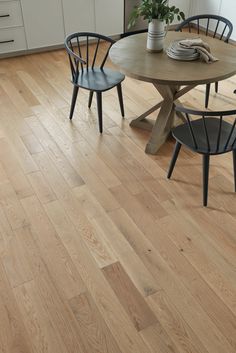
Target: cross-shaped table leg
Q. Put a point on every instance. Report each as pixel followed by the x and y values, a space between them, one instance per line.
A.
pixel 166 118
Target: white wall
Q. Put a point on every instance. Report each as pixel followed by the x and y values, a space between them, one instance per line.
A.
pixel 205 6
pixel 228 10
pixel 183 5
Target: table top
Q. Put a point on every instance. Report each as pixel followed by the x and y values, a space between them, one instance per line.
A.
pixel 131 57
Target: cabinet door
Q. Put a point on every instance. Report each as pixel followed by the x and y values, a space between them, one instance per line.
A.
pixel 79 16
pixel 109 16
pixel 43 22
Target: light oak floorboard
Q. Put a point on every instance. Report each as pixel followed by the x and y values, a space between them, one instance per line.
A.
pixel 99 252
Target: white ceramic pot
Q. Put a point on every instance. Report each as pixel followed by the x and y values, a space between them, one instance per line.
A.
pixel 156 35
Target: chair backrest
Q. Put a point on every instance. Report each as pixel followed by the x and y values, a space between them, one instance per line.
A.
pixel 217 26
pixel 214 138
pixel 83 55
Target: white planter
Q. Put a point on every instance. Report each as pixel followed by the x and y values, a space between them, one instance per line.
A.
pixel 156 35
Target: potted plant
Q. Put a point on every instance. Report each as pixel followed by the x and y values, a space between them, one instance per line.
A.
pixel 158 13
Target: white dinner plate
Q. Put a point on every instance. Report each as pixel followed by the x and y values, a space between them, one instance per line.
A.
pixel 176 52
pixel 182 57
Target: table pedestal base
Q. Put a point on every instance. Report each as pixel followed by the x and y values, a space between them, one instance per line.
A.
pixel 165 120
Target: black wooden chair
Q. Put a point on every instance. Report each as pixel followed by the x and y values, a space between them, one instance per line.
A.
pixel 208 135
pixel 89 72
pixel 212 25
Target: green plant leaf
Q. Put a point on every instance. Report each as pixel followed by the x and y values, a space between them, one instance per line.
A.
pixel 155 9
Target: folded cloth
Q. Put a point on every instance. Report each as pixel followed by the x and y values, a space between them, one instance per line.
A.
pixel 201 47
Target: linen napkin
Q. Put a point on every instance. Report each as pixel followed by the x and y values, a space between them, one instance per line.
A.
pixel 201 47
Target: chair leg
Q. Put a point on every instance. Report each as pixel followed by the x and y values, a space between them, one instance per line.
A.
pixel 206 163
pixel 119 91
pixel 174 159
pixel 90 99
pixel 216 87
pixel 73 101
pixel 99 107
pixel 234 165
pixel 208 88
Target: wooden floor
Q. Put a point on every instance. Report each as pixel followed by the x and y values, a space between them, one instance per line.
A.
pixel 99 252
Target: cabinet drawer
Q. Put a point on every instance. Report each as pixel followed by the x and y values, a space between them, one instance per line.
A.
pixel 12 39
pixel 10 14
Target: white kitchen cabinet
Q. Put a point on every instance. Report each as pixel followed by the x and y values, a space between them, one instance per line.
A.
pixel 10 14
pixel 109 18
pixel 79 15
pixel 12 40
pixel 43 20
pixel 12 33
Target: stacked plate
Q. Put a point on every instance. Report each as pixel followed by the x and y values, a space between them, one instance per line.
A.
pixel 177 52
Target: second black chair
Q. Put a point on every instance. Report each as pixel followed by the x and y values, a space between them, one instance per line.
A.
pixel 210 25
pixel 208 135
pixel 88 74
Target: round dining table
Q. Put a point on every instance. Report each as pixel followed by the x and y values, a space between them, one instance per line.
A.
pixel 171 78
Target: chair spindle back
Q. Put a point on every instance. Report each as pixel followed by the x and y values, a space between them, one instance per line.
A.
pixel 80 54
pixel 217 145
pixel 214 25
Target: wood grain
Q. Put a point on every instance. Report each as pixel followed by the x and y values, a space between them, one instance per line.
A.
pixel 94 331
pixel 13 337
pixel 99 253
pixel 129 53
pixel 130 298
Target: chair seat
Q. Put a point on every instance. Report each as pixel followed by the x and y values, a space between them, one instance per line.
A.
pixel 182 134
pixel 98 80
